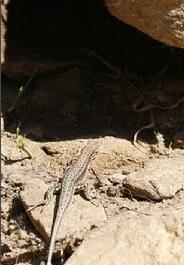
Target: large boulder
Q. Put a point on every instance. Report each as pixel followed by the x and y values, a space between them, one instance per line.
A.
pixel 134 240
pixel 162 20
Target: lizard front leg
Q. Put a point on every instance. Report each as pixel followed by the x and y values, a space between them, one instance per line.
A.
pixel 47 197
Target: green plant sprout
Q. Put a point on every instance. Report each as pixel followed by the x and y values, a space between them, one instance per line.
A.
pixel 22 90
pixel 20 142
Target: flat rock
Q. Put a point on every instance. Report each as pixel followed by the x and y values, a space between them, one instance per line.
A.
pixel 116 155
pixel 79 218
pixel 138 240
pixel 159 179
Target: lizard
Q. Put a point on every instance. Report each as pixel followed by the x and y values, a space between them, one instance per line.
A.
pixel 72 175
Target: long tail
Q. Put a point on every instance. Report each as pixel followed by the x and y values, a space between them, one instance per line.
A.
pixel 53 235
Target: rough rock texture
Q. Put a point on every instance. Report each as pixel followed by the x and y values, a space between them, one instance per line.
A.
pixel 159 184
pixel 80 216
pixel 162 20
pixel 138 240
pixel 140 220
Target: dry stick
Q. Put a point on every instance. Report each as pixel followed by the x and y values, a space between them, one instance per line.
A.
pixel 152 124
pixel 118 72
pixel 149 126
pixel 158 75
pixel 105 62
pixel 155 106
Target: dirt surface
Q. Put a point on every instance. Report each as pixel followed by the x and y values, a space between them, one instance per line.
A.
pixel 46 128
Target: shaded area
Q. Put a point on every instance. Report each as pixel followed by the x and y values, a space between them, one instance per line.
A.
pixel 48 35
pixel 116 66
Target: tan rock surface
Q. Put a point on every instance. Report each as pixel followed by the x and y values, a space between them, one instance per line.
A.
pixel 134 240
pixel 162 20
pixel 80 216
pixel 159 179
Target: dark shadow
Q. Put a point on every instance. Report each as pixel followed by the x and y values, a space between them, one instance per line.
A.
pixel 113 65
pixel 12 161
pixel 48 34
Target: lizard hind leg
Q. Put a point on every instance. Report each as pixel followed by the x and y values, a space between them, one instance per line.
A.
pixel 88 192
